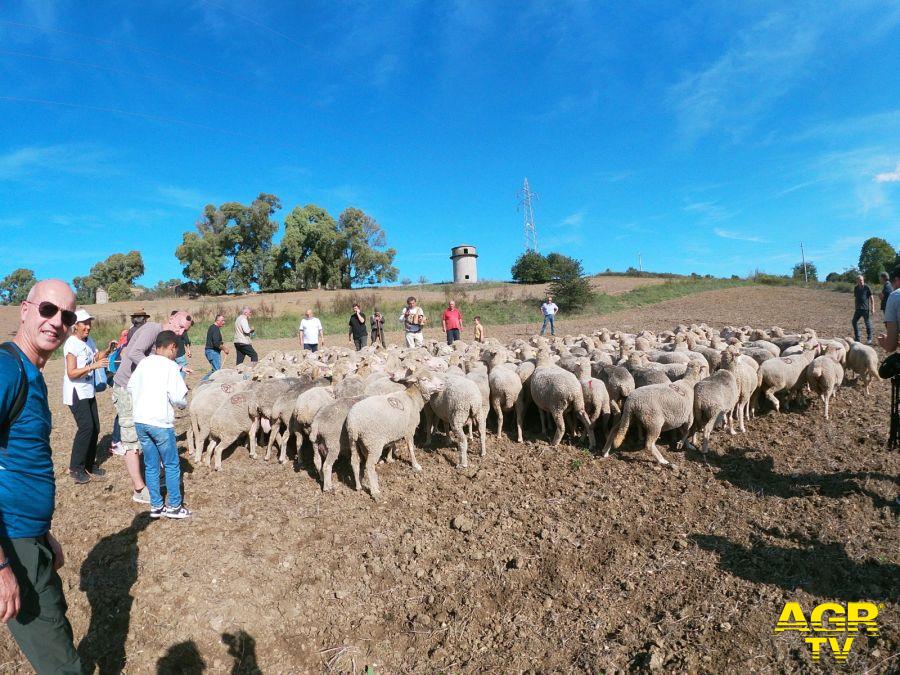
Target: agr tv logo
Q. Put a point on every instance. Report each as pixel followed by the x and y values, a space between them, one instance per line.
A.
pixel 827 621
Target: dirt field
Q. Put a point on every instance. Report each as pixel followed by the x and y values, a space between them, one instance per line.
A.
pixel 533 559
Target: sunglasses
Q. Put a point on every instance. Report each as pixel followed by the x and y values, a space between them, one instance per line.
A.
pixel 48 310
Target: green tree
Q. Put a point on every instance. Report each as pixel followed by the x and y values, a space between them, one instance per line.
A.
pixel 572 290
pixel 116 274
pixel 15 286
pixel 562 266
pixel 875 256
pixel 232 247
pixel 363 256
pixel 306 256
pixel 811 271
pixel 531 268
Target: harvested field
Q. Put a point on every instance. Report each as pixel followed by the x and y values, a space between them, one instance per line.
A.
pixel 532 559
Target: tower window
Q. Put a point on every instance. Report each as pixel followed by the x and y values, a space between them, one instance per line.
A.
pixel 467 276
pixel 466 252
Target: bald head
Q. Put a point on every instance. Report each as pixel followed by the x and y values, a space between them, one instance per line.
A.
pixel 39 336
pixel 178 322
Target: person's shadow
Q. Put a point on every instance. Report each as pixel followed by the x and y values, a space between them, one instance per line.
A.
pixel 107 575
pixel 242 648
pixel 181 659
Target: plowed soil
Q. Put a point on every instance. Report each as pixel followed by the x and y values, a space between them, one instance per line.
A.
pixel 534 559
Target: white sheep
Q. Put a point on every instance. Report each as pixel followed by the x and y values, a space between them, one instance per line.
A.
pixel 863 361
pixel 657 408
pixel 505 389
pixel 785 373
pixel 328 433
pixel 554 391
pixel 714 396
pixel 823 376
pixel 459 400
pixel 378 420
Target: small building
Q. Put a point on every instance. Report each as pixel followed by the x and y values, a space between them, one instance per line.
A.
pixel 465 269
pixel 101 296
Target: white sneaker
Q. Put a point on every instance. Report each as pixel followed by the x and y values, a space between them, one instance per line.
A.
pixel 141 496
pixel 178 512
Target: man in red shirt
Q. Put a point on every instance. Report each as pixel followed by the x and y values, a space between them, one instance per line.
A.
pixel 452 323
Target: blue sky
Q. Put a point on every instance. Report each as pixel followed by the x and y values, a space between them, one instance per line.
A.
pixel 709 137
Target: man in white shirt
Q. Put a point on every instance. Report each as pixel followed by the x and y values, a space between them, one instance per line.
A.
pixel 549 310
pixel 311 332
pixel 155 386
pixel 413 319
pixel 243 336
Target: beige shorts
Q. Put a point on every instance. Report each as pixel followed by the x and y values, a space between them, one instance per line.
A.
pixel 121 398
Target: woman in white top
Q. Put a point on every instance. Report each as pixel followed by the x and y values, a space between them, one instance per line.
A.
pixel 82 359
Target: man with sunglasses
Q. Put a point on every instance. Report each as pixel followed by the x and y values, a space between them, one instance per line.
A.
pixel 140 345
pixel 32 602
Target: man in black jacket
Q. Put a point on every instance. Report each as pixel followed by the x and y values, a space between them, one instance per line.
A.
pixel 215 345
pixel 357 333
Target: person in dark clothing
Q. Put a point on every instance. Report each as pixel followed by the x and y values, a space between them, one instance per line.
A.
pixel 865 307
pixel 377 328
pixel 886 289
pixel 215 345
pixel 138 319
pixel 357 333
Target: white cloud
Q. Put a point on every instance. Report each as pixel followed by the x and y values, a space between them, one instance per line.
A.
pixel 889 176
pixel 36 161
pixel 572 220
pixel 738 236
pixel 185 198
pixel 709 210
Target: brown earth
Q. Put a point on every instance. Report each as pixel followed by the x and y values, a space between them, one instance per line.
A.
pixel 558 561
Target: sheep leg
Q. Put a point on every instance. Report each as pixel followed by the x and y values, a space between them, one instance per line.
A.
pixel 319 449
pixel 588 427
pixel 283 442
pixel 429 425
pixel 220 448
pixel 209 451
pixel 254 427
pixel 498 411
pixel 650 444
pixel 412 454
pixel 354 462
pixel 825 398
pixel 560 422
pixel 274 432
pixel 327 465
pixel 543 422
pixel 771 397
pixel 729 419
pixel 371 474
pixel 707 432
pixel 463 443
pixel 520 415
pixel 482 431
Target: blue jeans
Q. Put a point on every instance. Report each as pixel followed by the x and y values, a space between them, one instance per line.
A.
pixel 158 444
pixel 864 315
pixel 215 360
pixel 548 318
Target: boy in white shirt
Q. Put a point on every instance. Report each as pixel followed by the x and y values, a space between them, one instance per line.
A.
pixel 155 386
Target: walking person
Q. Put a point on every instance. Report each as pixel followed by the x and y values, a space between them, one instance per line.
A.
pixel 243 337
pixel 184 350
pixel 413 319
pixel 215 345
pixel 886 289
pixel 890 339
pixel 155 387
pixel 452 322
pixel 311 332
pixel 83 360
pixel 356 332
pixel 32 602
pixel 377 322
pixel 865 307
pixel 549 310
pixel 139 347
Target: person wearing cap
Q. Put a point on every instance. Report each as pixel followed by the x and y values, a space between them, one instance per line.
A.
pixel 83 359
pixel 138 319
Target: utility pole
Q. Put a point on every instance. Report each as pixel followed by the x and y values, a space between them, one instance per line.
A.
pixel 525 201
pixel 803 258
pixel 640 263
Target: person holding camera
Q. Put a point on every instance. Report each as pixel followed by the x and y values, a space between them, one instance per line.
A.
pixel 413 319
pixel 889 339
pixel 83 361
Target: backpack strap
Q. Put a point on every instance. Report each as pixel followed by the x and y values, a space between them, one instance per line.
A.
pixel 21 393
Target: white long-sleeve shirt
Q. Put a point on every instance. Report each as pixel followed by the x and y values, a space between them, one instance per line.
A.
pixel 156 385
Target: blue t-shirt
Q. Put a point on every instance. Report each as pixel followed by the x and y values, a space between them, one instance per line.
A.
pixel 27 484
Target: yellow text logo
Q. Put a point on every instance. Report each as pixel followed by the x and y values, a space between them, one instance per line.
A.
pixel 828 621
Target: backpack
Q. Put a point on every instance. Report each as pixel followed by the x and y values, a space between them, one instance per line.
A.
pixel 21 394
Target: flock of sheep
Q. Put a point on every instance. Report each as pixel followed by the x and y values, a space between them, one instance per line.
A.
pixel 357 404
